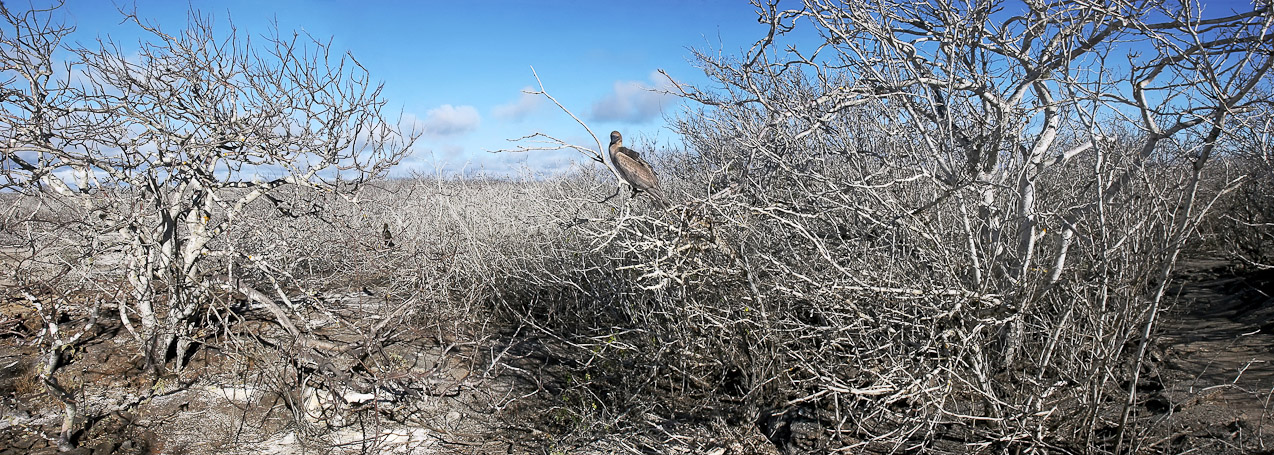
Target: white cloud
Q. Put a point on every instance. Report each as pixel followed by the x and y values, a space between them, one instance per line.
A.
pixel 634 101
pixel 448 120
pixel 454 160
pixel 520 109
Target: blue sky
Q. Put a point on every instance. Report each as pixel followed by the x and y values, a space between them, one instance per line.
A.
pixel 458 68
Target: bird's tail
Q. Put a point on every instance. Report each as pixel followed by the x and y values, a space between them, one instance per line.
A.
pixel 661 201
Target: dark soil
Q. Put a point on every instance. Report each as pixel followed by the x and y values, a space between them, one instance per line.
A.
pixel 1214 364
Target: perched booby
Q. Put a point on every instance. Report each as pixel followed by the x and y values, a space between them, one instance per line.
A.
pixel 634 170
pixel 387 238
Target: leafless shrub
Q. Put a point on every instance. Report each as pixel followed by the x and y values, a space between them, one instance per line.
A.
pixel 941 230
pixel 935 230
pixel 133 180
pixel 1240 227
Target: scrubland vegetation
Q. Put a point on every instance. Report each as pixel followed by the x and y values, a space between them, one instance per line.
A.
pixel 935 228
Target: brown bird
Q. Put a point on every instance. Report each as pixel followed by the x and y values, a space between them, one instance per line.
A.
pixel 634 170
pixel 387 238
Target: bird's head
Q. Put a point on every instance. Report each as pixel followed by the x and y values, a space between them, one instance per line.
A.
pixel 615 137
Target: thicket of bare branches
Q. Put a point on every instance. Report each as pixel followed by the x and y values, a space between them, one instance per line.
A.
pixel 135 179
pixel 952 223
pixel 1239 228
pixel 936 226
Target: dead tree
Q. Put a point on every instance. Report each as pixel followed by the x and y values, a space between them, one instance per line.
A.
pixel 168 144
pixel 1018 177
